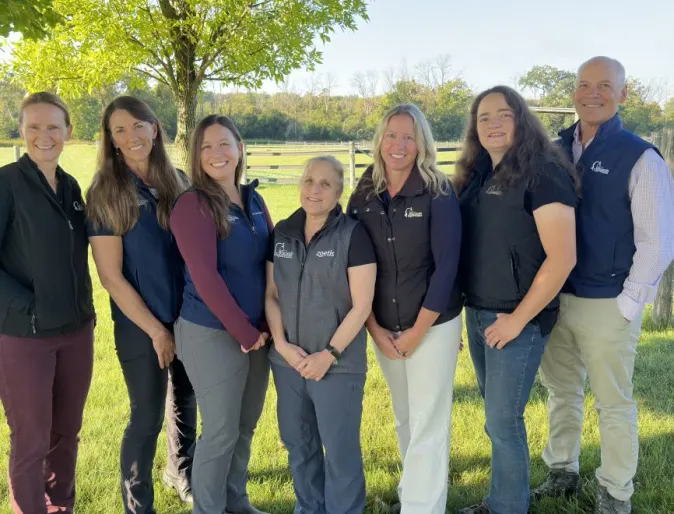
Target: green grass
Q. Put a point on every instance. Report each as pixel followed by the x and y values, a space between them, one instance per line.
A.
pixel 270 486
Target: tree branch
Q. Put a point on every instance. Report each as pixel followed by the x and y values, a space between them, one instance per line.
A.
pixel 168 10
pixel 157 77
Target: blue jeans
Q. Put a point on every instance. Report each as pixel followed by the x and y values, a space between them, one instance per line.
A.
pixel 505 378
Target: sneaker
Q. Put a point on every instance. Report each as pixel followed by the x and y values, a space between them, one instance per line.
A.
pixel 607 504
pixel 181 486
pixel 480 508
pixel 559 482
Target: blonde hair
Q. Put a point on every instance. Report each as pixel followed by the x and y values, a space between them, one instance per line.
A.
pixel 337 167
pixel 436 181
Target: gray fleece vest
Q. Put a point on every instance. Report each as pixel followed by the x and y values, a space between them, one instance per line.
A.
pixel 313 289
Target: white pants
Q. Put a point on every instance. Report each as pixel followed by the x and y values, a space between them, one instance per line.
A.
pixel 592 340
pixel 421 391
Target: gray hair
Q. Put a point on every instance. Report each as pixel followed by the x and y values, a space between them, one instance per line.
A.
pixel 336 165
pixel 617 66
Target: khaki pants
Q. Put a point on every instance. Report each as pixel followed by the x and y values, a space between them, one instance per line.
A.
pixel 592 339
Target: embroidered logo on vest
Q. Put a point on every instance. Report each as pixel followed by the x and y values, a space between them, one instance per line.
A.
pixel 326 253
pixel 78 206
pixel 494 190
pixel 598 168
pixel 281 252
pixel 411 213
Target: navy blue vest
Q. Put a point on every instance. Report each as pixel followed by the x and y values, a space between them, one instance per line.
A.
pixel 604 227
pixel 241 264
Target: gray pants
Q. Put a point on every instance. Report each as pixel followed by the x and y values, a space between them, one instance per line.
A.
pixel 230 387
pixel 316 415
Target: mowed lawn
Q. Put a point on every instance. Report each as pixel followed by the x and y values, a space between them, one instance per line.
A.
pixel 270 485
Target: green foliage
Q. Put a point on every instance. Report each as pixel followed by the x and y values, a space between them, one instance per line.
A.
pixel 10 100
pixel 32 18
pixel 179 44
pixel 551 87
pixel 638 113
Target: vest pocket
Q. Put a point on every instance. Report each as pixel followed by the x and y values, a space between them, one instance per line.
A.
pixel 515 268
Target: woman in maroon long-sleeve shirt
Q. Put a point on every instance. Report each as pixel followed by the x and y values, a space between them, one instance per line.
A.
pixel 222 230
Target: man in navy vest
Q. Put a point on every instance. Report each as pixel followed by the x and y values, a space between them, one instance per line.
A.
pixel 625 241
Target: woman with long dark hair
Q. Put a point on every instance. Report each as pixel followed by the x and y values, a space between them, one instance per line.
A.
pixel 517 197
pixel 128 206
pixel 222 228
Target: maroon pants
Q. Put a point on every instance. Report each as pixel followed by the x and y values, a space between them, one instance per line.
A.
pixel 43 386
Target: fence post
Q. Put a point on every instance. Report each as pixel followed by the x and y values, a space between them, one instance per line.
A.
pixel 244 175
pixel 17 152
pixel 352 164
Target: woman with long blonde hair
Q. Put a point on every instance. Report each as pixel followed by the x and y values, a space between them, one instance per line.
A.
pixel 412 215
pixel 128 207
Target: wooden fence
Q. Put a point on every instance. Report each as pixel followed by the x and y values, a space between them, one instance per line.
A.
pixel 351 150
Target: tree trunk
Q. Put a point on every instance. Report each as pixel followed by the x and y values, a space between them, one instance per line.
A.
pixel 187 106
pixel 662 308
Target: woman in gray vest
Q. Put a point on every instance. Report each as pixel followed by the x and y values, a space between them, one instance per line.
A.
pixel 320 284
pixel 517 198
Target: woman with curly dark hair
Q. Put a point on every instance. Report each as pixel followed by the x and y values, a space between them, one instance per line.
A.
pixel 517 195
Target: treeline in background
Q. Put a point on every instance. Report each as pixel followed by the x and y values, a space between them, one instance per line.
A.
pixel 311 111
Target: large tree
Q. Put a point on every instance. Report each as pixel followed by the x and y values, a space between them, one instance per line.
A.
pixel 180 44
pixel 32 18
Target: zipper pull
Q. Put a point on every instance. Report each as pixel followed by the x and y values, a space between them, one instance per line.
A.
pixel 32 323
pixel 70 225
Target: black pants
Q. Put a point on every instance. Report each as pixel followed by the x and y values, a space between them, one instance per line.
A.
pixel 147 385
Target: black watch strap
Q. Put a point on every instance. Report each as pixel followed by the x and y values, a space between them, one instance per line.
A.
pixel 334 351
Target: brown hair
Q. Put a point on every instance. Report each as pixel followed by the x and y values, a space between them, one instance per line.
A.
pixel 112 200
pixel 216 199
pixel 44 97
pixel 525 159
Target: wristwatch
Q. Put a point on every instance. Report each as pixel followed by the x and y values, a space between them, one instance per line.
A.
pixel 333 351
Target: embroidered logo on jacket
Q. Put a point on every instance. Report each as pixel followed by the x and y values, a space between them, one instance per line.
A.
pixel 281 252
pixel 232 219
pixel 494 190
pixel 78 206
pixel 411 213
pixel 598 168
pixel 325 253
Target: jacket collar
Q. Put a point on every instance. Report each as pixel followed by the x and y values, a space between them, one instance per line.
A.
pixel 413 186
pixel 32 170
pixel 606 130
pixel 294 224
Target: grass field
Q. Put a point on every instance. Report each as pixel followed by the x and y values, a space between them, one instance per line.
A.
pixel 270 487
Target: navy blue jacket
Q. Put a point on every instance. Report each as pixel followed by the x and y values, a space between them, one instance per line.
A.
pixel 604 226
pixel 151 260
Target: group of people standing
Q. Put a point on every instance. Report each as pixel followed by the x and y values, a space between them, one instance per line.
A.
pixel 552 248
